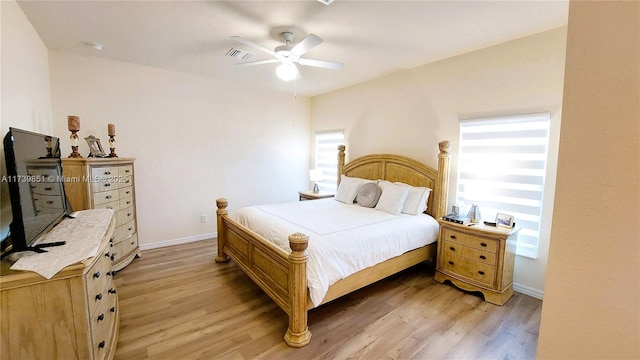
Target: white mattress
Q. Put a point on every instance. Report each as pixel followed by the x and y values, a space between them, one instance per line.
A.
pixel 343 239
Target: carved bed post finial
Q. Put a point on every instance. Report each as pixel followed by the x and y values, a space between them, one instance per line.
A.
pixel 298 334
pixel 340 161
pixel 440 201
pixel 222 204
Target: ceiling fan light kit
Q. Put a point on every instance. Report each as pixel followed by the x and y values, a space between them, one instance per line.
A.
pixel 288 55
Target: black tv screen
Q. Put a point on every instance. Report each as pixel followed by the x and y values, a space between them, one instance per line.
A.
pixel 36 186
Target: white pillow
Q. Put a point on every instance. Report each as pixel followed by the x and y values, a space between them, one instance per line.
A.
pixel 393 198
pixel 416 202
pixel 348 189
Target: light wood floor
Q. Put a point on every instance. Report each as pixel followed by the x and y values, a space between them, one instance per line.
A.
pixel 177 303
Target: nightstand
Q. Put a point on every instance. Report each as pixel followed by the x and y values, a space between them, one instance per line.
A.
pixel 477 258
pixel 310 195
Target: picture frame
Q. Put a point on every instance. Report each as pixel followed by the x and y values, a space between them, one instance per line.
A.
pixel 504 220
pixel 95 148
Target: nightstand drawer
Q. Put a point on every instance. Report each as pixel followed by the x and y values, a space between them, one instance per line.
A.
pixel 470 240
pixel 470 253
pixel 470 269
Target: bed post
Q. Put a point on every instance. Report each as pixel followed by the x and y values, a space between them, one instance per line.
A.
pixel 440 201
pixel 222 204
pixel 298 334
pixel 340 161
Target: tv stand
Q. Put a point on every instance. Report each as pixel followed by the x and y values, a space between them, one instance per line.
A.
pixel 72 315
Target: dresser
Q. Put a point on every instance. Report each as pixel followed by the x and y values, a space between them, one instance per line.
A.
pixel 477 258
pixel 72 315
pixel 45 186
pixel 107 183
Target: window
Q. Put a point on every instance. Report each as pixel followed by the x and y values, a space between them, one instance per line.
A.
pixel 326 153
pixel 502 168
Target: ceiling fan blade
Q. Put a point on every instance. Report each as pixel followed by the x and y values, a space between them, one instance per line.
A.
pixel 322 64
pixel 254 45
pixel 306 44
pixel 258 62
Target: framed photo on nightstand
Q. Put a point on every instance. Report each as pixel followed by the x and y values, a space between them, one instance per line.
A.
pixel 504 220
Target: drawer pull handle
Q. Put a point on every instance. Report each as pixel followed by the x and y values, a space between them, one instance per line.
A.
pixel 130 228
pixel 452 236
pixel 113 256
pixel 102 344
pixel 452 248
pixel 48 188
pixel 128 202
pixel 96 275
pixel 481 272
pixel 49 202
pixel 483 257
pixel 112 238
pixel 112 291
pixel 100 317
pixel 127 171
pixel 110 207
pixel 129 214
pixel 133 243
pixel 483 244
pixel 108 197
pixel 450 262
pixel 107 255
pixel 107 185
pixel 113 309
pixel 99 297
pixel 107 172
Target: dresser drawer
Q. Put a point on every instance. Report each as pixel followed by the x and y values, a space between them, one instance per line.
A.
pixel 126 202
pixel 469 253
pixel 124 231
pixel 126 192
pixel 125 215
pixel 99 280
pixel 470 269
pixel 105 197
pixel 470 240
pixel 112 205
pixel 102 325
pixel 47 202
pixel 125 247
pixel 104 171
pixel 45 188
pixel 125 170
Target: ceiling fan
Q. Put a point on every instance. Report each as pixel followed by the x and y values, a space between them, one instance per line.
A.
pixel 289 55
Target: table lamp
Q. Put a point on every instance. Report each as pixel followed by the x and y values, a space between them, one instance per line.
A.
pixel 315 175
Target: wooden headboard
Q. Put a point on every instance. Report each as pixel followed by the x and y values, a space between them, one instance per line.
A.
pixel 398 168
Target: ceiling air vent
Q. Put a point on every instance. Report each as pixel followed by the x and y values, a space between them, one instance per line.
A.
pixel 239 54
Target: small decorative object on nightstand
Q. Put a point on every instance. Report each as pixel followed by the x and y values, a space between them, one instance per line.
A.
pixel 476 257
pixel 312 195
pixel 73 123
pixel 111 131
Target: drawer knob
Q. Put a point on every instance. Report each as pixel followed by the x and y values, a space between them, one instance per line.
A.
pixel 129 214
pixel 481 272
pixel 49 202
pixel 107 172
pixel 483 244
pixel 450 262
pixel 113 256
pixel 102 344
pixel 48 188
pixel 96 275
pixel 100 317
pixel 113 309
pixel 452 248
pixel 452 236
pixel 130 228
pixel 128 202
pixel 99 297
pixel 108 197
pixel 128 192
pixel 107 254
pixel 112 291
pixel 107 185
pixel 483 257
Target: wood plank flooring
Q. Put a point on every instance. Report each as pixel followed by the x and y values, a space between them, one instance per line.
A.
pixel 177 303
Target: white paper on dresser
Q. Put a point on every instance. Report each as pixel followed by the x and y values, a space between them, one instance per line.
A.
pixel 82 235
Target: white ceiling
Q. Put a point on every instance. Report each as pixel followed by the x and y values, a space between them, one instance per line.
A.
pixel 372 38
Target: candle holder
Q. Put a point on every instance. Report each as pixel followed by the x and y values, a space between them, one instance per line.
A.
pixel 74 144
pixel 112 146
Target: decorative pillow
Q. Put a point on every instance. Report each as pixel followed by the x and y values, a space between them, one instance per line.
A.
pixel 348 189
pixel 393 198
pixel 368 195
pixel 416 202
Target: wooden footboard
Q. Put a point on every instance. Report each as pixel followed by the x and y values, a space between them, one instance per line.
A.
pixel 282 276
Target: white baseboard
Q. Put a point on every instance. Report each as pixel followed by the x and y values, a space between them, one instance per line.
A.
pixel 179 241
pixel 538 294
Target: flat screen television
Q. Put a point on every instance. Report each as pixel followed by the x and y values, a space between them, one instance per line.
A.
pixel 36 189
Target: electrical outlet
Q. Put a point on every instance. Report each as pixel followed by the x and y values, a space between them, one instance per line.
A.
pixel 203 218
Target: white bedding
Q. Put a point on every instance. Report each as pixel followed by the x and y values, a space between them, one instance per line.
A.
pixel 343 239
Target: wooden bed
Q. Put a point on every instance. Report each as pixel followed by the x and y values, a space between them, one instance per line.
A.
pixel 283 275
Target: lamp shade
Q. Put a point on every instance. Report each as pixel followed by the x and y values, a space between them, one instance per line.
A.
pixel 287 71
pixel 315 175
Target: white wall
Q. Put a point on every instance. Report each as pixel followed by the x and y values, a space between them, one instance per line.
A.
pixel 25 90
pixel 409 112
pixel 592 299
pixel 195 139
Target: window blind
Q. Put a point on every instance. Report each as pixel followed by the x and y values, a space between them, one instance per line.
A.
pixel 502 168
pixel 326 158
